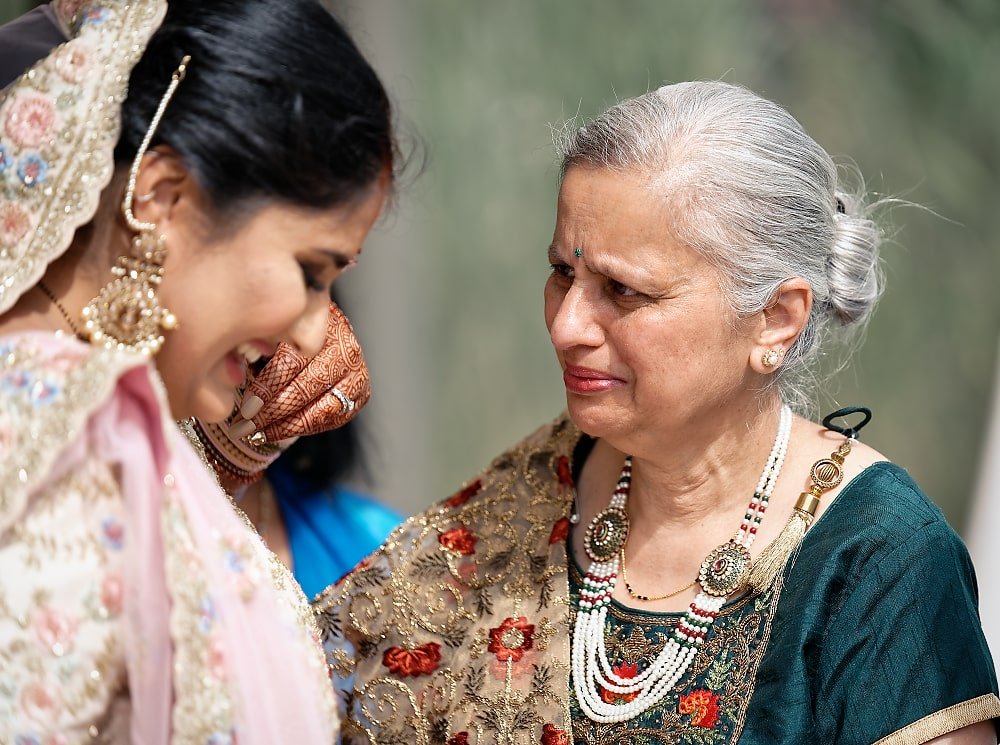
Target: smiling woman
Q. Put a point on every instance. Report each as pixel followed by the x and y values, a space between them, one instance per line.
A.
pixel 179 188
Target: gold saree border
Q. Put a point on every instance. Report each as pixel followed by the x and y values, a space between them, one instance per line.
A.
pixel 980 709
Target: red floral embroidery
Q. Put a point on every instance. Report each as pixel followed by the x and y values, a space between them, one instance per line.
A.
pixel 512 638
pixel 552 735
pixel 464 495
pixel 559 530
pixel 703 704
pixel 459 738
pixel 422 660
pixel 460 540
pixel 563 471
pixel 625 670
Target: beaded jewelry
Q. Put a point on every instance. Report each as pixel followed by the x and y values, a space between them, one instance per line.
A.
pixel 722 574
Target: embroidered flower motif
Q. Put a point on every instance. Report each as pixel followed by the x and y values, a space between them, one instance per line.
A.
pixel 511 639
pixel 238 555
pixel 55 630
pixel 31 120
pixel 39 703
pixel 459 738
pixel 5 158
pixel 112 592
pixel 703 705
pixel 95 16
pixel 464 495
pixel 564 474
pixel 14 220
pixel 42 393
pixel 560 530
pixel 422 660
pixel 624 670
pixel 113 533
pixel 552 735
pixel 460 540
pixel 32 169
pixel 217 658
pixel 73 61
pixel 206 614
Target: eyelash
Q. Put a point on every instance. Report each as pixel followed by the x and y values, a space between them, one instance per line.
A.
pixel 310 279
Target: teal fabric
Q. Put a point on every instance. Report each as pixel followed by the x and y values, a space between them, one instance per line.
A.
pixel 330 530
pixel 876 627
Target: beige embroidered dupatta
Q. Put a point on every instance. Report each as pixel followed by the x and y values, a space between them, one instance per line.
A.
pixel 458 628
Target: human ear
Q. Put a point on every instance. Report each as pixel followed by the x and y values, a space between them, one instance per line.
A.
pixel 779 324
pixel 161 183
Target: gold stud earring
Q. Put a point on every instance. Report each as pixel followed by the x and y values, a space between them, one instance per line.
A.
pixel 127 314
pixel 771 357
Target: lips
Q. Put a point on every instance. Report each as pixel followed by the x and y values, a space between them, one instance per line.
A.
pixel 587 380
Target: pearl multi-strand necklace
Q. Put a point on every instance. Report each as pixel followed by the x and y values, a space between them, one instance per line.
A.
pixel 721 574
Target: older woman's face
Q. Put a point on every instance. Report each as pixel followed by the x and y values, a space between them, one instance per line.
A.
pixel 639 323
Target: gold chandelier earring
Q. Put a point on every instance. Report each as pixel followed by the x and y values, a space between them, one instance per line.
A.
pixel 127 314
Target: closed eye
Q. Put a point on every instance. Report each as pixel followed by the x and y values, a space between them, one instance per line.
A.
pixel 311 277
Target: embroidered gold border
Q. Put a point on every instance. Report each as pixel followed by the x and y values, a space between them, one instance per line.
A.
pixel 973 711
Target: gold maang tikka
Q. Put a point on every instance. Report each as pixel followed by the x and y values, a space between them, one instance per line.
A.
pixel 127 314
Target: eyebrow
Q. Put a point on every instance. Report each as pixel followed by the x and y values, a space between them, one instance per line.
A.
pixel 619 271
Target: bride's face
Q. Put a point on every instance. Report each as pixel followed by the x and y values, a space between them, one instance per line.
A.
pixel 237 292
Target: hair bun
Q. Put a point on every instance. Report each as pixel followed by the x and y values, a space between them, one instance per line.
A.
pixel 852 267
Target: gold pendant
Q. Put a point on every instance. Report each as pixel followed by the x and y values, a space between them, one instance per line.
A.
pixel 606 534
pixel 724 570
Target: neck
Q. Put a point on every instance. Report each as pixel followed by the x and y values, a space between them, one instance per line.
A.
pixel 704 473
pixel 72 281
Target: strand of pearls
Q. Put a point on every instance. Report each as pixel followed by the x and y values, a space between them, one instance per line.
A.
pixel 591 670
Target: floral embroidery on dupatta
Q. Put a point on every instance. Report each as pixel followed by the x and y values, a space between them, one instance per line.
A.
pixel 456 631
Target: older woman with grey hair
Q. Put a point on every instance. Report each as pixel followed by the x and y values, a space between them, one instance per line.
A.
pixel 679 558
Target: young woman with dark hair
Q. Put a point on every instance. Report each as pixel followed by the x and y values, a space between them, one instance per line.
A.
pixel 179 187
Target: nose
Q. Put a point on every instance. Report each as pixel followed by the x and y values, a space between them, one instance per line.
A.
pixel 575 322
pixel 309 332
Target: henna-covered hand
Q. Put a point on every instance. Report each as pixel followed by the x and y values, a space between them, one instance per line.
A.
pixel 290 397
pixel 294 396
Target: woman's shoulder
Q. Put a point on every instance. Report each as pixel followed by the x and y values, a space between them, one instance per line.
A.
pixel 50 387
pixel 882 518
pixel 528 488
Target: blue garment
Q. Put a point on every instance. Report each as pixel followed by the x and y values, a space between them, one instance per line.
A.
pixel 330 530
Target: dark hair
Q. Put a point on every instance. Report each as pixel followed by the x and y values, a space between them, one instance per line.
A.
pixel 277 104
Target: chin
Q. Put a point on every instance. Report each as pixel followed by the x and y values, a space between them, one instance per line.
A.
pixel 593 417
pixel 213 406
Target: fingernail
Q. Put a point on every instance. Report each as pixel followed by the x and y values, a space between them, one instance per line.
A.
pixel 251 406
pixel 242 429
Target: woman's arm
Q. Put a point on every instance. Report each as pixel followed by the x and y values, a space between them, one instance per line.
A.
pixel 975 734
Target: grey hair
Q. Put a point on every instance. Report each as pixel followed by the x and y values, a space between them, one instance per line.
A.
pixel 749 190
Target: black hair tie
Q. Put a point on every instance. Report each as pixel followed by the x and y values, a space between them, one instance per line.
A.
pixel 851 432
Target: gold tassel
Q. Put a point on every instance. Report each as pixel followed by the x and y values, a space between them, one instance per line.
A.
pixel 825 473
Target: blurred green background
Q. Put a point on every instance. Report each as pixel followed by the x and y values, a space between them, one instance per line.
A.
pixel 447 300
